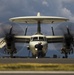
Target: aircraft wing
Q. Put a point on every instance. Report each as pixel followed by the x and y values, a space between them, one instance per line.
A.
pixel 55 39
pixel 22 39
pixel 2 42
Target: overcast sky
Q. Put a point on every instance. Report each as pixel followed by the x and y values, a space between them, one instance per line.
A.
pixel 15 8
pixel 12 8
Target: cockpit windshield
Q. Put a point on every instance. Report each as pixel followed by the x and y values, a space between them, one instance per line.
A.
pixel 35 38
pixel 39 38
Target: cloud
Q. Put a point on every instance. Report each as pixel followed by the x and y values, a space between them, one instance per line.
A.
pixel 67 13
pixel 66 9
pixel 12 8
pixel 45 3
pixel 68 1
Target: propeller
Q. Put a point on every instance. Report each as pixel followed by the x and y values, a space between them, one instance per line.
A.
pixel 68 38
pixel 27 46
pixel 67 30
pixel 8 31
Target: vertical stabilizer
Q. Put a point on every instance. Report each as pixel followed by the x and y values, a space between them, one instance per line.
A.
pixel 38 14
pixel 39 25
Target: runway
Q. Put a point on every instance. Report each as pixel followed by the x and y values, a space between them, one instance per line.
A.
pixel 36 73
pixel 39 60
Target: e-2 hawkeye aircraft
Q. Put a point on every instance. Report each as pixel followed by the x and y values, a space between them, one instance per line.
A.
pixel 10 39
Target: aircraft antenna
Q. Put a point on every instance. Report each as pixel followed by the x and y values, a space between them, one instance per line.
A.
pixel 52 31
pixel 38 14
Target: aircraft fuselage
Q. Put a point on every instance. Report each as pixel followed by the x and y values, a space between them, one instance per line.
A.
pixel 35 39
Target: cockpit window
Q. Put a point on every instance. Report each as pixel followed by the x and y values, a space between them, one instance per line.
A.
pixel 38 38
pixel 41 39
pixel 35 38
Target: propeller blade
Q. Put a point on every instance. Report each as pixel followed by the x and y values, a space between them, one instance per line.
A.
pixel 10 32
pixel 68 31
pixel 4 29
pixel 65 28
pixel 8 28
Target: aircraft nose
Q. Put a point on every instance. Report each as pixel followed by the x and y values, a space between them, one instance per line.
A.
pixel 39 46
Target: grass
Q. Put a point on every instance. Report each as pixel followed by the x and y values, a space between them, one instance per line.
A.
pixel 36 67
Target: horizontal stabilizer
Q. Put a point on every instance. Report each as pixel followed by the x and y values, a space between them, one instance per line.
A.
pixel 41 19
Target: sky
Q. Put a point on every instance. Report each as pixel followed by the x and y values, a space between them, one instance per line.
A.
pixel 15 8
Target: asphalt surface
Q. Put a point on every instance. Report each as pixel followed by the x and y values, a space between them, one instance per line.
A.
pixel 39 60
pixel 36 73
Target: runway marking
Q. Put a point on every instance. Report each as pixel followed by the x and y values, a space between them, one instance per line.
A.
pixel 37 72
